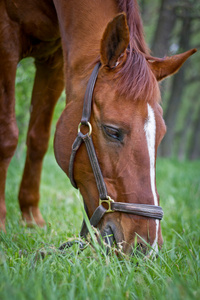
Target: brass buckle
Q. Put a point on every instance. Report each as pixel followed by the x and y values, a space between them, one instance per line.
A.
pixel 88 124
pixel 108 201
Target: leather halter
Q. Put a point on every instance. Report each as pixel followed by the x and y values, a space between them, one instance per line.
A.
pixel 145 210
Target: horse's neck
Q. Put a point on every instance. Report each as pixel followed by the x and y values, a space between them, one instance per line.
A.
pixel 82 24
pixel 86 26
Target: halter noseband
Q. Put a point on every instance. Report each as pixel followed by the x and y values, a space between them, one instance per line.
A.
pixel 145 210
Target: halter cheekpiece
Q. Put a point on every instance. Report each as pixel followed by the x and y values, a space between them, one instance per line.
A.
pixel 145 210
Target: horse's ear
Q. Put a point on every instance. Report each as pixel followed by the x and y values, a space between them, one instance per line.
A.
pixel 115 40
pixel 168 65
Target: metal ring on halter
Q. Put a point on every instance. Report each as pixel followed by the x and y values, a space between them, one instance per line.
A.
pixel 108 201
pixel 88 124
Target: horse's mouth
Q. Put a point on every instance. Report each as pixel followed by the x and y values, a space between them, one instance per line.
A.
pixel 111 238
pixel 108 237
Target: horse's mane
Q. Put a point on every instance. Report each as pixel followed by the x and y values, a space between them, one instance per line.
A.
pixel 137 41
pixel 136 78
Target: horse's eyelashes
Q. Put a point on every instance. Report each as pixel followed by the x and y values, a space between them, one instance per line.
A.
pixel 113 133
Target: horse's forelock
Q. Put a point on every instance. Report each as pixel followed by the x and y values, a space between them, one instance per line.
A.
pixel 135 79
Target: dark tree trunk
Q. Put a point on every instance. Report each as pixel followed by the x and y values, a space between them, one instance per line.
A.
pixel 165 26
pixel 142 6
pixel 161 40
pixel 182 136
pixel 178 85
pixel 172 112
pixel 194 146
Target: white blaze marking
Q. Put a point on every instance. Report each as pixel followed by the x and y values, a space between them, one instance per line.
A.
pixel 150 131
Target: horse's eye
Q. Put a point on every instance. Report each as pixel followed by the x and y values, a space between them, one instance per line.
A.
pixel 113 133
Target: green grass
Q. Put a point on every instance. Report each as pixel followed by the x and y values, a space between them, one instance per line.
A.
pixel 92 274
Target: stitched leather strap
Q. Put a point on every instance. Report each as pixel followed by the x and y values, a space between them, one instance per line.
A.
pixel 87 105
pixel 93 161
pixel 145 210
pixel 86 113
pixel 94 221
pixel 76 145
pixel 95 166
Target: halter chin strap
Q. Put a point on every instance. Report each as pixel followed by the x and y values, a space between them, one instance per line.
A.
pixel 150 211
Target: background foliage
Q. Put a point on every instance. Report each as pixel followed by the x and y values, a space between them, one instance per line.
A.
pixel 173 26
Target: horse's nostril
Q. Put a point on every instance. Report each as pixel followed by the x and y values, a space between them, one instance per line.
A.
pixel 139 249
pixel 108 236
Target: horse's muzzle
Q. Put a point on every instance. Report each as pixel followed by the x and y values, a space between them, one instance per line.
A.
pixel 112 235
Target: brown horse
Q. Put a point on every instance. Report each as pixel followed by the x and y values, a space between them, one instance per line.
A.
pixel 126 118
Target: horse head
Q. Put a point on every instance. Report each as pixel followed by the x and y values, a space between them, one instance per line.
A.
pixel 127 128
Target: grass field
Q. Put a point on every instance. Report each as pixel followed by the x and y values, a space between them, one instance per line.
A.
pixel 92 274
